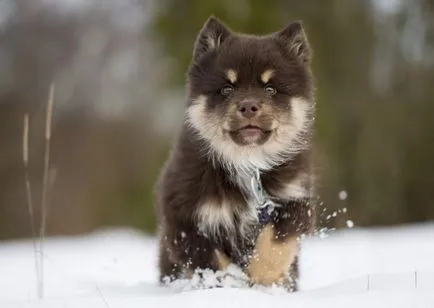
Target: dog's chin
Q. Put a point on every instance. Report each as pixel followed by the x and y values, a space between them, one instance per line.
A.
pixel 250 136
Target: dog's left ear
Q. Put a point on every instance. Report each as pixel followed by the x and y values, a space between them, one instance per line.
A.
pixel 293 38
pixel 210 37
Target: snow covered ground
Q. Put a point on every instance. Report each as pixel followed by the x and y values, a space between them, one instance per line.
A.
pixel 116 268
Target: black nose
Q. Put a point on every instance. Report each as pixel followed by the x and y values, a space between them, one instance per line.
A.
pixel 248 109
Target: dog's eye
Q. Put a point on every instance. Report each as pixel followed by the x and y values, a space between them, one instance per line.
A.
pixel 270 90
pixel 226 90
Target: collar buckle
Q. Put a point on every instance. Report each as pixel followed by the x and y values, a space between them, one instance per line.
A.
pixel 264 205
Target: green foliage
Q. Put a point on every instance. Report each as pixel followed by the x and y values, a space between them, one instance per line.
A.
pixel 375 145
pixel 134 204
pixel 177 23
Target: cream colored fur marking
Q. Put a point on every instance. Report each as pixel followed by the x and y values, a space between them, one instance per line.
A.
pixel 212 216
pixel 296 189
pixel 266 76
pixel 232 75
pixel 271 259
pixel 222 260
pixel 211 42
pixel 285 141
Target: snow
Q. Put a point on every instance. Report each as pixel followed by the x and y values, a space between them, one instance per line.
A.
pixel 343 195
pixel 117 268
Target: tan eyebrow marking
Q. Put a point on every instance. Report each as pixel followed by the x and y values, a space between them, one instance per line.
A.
pixel 266 76
pixel 232 75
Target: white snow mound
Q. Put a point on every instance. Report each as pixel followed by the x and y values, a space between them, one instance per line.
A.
pixel 117 268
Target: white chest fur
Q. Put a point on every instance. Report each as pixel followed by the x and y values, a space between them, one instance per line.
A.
pixel 297 188
pixel 217 218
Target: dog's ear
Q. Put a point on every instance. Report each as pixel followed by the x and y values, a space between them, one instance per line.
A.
pixel 293 38
pixel 210 37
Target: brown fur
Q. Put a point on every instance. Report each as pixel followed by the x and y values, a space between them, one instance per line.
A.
pixel 222 260
pixel 272 258
pixel 204 204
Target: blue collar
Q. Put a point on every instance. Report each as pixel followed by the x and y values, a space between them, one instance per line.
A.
pixel 264 214
pixel 264 205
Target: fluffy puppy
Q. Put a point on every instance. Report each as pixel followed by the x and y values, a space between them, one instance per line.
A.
pixel 237 187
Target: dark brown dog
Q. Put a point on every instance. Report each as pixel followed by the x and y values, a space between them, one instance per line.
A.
pixel 238 185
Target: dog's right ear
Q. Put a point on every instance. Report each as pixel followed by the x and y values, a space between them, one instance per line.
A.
pixel 294 40
pixel 210 37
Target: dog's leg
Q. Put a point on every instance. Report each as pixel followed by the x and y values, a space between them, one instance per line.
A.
pixel 275 257
pixel 190 250
pixel 291 284
pixel 272 257
pixel 169 271
pixel 222 260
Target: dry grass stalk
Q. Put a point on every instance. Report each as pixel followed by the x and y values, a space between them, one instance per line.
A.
pixel 30 200
pixel 46 184
pixel 102 297
pixel 368 286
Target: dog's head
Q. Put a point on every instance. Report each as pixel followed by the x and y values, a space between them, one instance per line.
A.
pixel 251 97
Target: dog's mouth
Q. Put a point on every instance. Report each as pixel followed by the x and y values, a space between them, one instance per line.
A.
pixel 250 134
pixel 251 130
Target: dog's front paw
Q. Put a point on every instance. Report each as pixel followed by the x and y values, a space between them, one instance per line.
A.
pixel 232 277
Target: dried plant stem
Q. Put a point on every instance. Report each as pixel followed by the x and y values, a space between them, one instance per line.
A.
pixel 102 297
pixel 368 286
pixel 30 200
pixel 46 186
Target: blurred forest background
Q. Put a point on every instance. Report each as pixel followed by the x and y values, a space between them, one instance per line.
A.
pixel 119 68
